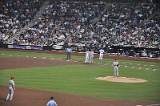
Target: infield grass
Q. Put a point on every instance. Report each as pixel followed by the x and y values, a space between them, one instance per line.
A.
pixel 80 79
pixel 81 58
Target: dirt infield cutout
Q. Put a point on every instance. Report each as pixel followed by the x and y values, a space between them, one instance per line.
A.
pixel 121 79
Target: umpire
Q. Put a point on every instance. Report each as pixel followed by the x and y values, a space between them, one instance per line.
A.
pixel 68 49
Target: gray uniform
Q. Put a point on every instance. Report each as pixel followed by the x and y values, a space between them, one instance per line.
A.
pixel 116 72
pixel 91 56
pixel 11 90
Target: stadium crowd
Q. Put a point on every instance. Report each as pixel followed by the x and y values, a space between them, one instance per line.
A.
pixel 15 14
pixel 129 24
pixel 72 22
pixel 63 21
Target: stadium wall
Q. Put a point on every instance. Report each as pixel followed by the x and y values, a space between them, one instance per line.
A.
pixel 113 49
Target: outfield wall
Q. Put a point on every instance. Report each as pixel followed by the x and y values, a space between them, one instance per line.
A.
pixel 116 49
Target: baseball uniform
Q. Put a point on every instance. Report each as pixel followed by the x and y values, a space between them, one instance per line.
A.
pixel 11 89
pixel 116 72
pixel 101 52
pixel 52 102
pixel 87 56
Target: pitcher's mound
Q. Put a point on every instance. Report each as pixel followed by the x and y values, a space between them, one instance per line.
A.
pixel 121 79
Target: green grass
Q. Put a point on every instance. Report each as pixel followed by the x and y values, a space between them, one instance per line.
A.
pixel 81 58
pixel 80 80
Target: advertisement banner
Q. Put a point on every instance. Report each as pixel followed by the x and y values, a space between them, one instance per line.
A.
pixel 19 46
pixel 30 47
pixel 10 46
pixel 37 47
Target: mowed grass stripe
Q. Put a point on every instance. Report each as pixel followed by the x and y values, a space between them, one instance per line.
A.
pixel 80 80
pixel 130 63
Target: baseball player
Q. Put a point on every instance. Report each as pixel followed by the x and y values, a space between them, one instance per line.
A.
pixel 52 102
pixel 101 52
pixel 91 56
pixel 11 89
pixel 116 64
pixel 87 56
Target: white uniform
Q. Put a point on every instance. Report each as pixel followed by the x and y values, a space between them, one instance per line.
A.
pixel 115 64
pixel 101 52
pixel 11 90
pixel 87 56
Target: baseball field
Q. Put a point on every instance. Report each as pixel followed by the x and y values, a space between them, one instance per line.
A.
pixel 42 74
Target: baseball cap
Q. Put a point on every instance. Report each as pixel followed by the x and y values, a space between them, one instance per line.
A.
pixel 12 77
